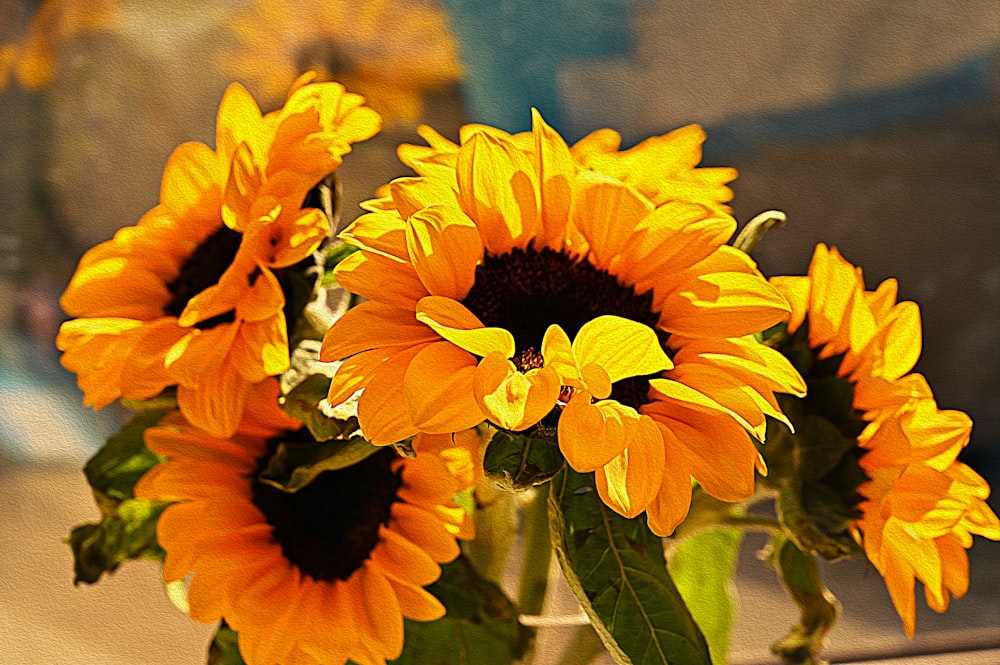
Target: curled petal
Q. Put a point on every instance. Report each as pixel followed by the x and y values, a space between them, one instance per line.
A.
pixel 513 400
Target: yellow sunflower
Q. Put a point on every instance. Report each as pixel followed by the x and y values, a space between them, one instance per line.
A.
pixel 509 281
pixel 393 53
pixel 190 296
pixel 914 508
pixel 921 506
pixel 32 59
pixel 321 575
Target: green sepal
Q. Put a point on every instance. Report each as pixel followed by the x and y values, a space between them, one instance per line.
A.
pixel 295 465
pixel 616 569
pixel 518 462
pixel 480 627
pixel 224 649
pixel 165 400
pixel 702 567
pixel 129 533
pixel 818 607
pixel 333 258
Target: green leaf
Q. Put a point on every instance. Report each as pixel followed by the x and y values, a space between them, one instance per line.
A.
pixel 617 571
pixel 480 628
pixel 702 567
pixel 129 533
pixel 124 457
pixel 295 465
pixel 224 649
pixel 303 404
pixel 518 462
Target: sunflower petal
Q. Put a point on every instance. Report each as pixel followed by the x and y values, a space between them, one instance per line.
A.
pixel 450 319
pixel 445 248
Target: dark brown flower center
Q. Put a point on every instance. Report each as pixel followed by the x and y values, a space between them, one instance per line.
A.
pixel 330 527
pixel 201 270
pixel 526 291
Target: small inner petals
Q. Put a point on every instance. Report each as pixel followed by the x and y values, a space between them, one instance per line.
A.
pixel 513 400
pixel 458 325
pixel 558 354
pixel 622 347
pixel 591 435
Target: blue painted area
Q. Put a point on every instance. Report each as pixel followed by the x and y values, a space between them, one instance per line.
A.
pixel 858 113
pixel 513 49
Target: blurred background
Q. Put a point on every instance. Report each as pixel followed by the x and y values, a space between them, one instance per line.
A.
pixel 875 126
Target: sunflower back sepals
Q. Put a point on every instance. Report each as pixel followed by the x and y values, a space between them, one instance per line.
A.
pixel 518 462
pixel 819 609
pixel 127 529
pixel 616 569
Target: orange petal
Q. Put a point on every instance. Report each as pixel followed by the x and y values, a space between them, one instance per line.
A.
pixel 373 325
pixel 630 481
pixel 606 212
pixel 591 435
pixel 556 168
pixel 438 390
pixel 382 410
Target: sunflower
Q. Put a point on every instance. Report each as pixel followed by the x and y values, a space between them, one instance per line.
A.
pixel 392 53
pixel 913 507
pixel 32 59
pixel 512 281
pixel 321 575
pixel 190 296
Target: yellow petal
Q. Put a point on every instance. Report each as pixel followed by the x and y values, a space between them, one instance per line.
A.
pixel 630 481
pixel 380 279
pixel 445 248
pixel 414 194
pixel 606 212
pixel 496 190
pixel 622 347
pixel 513 400
pixel 261 348
pixel 438 390
pixel 379 232
pixel 723 305
pixel 555 167
pixel 558 354
pixel 450 319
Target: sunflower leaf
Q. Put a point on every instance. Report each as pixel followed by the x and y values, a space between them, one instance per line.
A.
pixel 480 628
pixel 130 533
pixel 702 567
pixel 224 649
pixel 616 569
pixel 124 458
pixel 295 465
pixel 519 462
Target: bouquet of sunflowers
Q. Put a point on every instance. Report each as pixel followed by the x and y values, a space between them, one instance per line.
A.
pixel 344 442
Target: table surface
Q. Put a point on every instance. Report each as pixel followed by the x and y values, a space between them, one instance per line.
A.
pixel 127 618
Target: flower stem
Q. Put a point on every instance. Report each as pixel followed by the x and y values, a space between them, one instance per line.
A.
pixel 537 553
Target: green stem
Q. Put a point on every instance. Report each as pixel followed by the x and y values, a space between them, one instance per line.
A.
pixel 537 553
pixel 583 647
